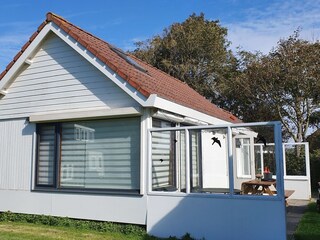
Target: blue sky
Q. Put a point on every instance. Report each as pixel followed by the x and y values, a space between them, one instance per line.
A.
pixel 252 24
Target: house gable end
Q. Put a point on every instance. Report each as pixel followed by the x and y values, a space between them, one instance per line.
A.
pixel 58 78
pixel 143 86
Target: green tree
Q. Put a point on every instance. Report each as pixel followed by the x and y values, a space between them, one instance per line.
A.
pixel 314 145
pixel 282 85
pixel 194 51
pixel 315 119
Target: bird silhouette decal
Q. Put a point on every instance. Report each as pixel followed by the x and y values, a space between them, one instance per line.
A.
pixel 161 160
pixel 216 140
pixel 262 139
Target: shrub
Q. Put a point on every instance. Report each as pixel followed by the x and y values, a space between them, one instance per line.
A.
pixel 315 169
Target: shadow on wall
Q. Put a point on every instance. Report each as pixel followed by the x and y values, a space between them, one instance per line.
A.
pixel 216 218
pixel 28 129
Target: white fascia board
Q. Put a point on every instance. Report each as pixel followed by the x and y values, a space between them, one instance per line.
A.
pixel 95 113
pixel 7 79
pixel 101 66
pixel 161 103
pixel 3 92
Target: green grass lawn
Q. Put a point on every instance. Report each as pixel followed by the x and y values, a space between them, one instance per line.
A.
pixel 36 227
pixel 309 226
pixel 16 230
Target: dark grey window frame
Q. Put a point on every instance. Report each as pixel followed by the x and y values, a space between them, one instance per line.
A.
pixel 55 187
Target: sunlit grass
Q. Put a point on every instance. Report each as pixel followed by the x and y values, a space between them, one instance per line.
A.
pixel 37 227
pixel 15 230
pixel 309 226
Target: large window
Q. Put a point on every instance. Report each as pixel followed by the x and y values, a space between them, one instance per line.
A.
pixel 99 154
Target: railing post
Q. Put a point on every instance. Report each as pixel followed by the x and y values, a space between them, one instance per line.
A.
pixel 230 160
pixel 284 159
pixel 279 164
pixel 187 148
pixel 149 163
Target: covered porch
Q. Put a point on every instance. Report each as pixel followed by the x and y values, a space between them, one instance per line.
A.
pixel 216 181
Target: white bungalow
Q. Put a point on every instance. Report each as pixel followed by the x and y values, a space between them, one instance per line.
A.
pixel 90 132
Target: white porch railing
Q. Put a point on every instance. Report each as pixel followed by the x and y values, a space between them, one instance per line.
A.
pixel 195 176
pixel 296 164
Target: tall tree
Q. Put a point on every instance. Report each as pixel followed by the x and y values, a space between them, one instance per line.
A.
pixel 195 51
pixel 283 85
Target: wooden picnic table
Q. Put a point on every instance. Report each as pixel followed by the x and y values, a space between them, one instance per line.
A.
pixel 258 187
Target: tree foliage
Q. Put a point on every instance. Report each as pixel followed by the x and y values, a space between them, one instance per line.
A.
pixel 194 51
pixel 283 85
pixel 315 119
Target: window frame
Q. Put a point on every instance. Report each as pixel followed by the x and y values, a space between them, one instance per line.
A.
pixel 239 161
pixel 172 171
pixel 38 138
pixel 175 165
pixel 55 187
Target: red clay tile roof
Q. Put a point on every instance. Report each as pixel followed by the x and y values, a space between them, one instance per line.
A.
pixel 153 81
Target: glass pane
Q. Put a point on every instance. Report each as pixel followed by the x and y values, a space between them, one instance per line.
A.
pixel 195 159
pixel 163 161
pixel 168 158
pixel 243 157
pixel 295 159
pixel 209 161
pixel 258 159
pixel 46 155
pixel 269 162
pixel 255 162
pixel 101 154
pixel 182 158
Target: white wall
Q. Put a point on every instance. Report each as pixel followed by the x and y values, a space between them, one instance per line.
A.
pixel 216 218
pixel 16 147
pixel 300 185
pixel 126 209
pixel 60 79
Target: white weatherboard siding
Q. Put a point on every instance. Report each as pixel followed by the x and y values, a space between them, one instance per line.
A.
pixel 127 209
pixel 16 160
pixel 16 154
pixel 60 79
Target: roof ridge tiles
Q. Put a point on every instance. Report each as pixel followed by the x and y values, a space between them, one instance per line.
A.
pixel 50 18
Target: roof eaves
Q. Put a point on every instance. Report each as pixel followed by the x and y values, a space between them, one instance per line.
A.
pixel 23 48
